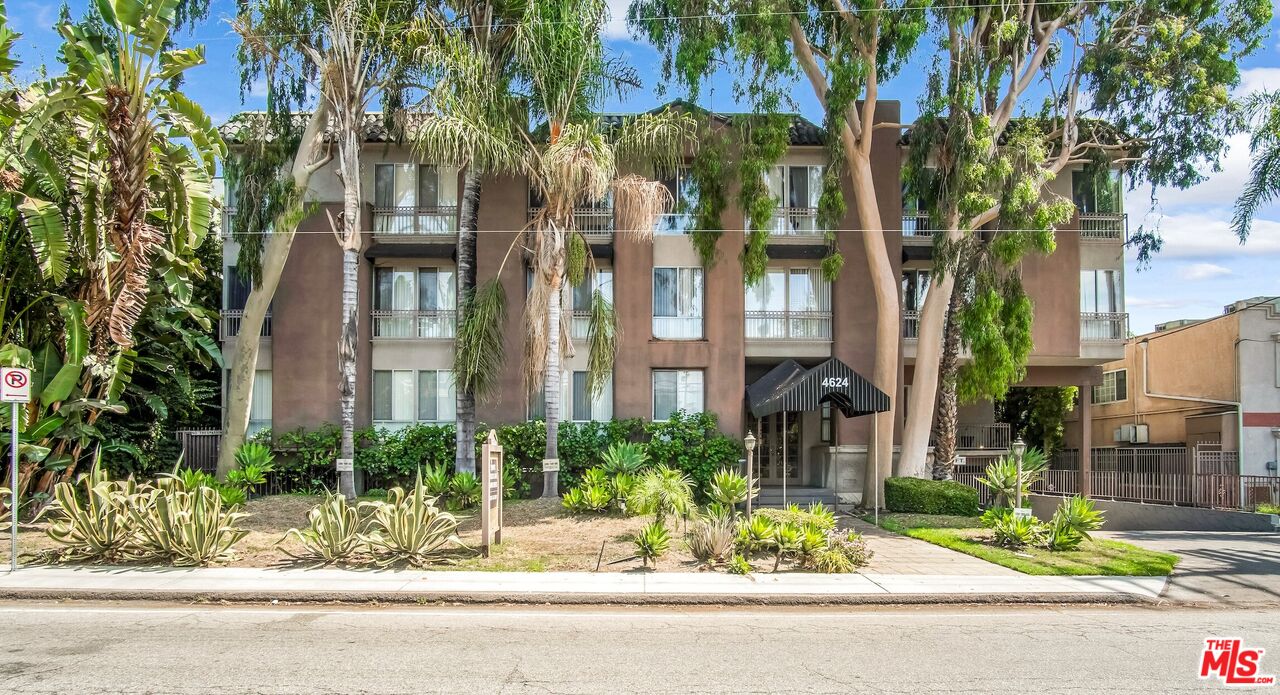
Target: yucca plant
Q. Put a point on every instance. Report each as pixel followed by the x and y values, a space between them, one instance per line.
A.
pixel 597 498
pixel 332 532
pixel 652 542
pixel 624 458
pixel 436 478
pixel 185 527
pixel 711 538
pixel 408 527
pixel 94 525
pixel 729 488
pixel 464 490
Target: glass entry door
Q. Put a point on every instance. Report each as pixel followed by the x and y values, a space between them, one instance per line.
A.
pixel 770 465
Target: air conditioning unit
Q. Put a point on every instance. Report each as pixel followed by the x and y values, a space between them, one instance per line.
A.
pixel 1124 434
pixel 1140 434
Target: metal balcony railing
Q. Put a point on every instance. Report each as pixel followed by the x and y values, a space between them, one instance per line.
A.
pixel 428 324
pixel 795 222
pixel 595 224
pixel 677 327
pixel 1104 226
pixel 910 324
pixel 580 324
pixel 439 220
pixel 916 230
pixel 229 326
pixel 788 325
pixel 1104 327
pixel 995 436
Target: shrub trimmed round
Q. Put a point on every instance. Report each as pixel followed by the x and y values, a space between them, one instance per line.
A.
pixel 921 496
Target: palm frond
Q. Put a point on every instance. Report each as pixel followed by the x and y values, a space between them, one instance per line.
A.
pixel 637 205
pixel 657 138
pixel 480 341
pixel 602 340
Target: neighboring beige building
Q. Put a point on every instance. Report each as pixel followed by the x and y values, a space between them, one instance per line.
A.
pixel 692 338
pixel 1197 383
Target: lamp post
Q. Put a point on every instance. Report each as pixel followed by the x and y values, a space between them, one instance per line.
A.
pixel 1019 448
pixel 750 443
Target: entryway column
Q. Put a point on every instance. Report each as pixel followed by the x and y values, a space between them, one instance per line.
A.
pixel 1086 439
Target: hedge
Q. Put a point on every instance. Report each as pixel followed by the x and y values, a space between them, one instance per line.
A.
pixel 920 496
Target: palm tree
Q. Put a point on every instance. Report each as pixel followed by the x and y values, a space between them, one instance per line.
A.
pixel 559 77
pixel 1263 109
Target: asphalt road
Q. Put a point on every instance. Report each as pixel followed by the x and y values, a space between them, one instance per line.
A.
pixel 93 648
pixel 1217 567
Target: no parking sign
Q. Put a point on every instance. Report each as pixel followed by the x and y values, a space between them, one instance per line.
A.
pixel 15 385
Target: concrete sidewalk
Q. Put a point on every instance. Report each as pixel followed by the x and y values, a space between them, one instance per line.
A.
pixel 257 585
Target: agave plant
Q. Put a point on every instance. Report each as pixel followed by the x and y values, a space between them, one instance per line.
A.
pixel 408 527
pixel 595 476
pixel 6 510
pixel 94 523
pixel 1017 532
pixel 436 478
pixel 786 542
pixel 711 538
pixel 755 534
pixel 185 527
pixel 464 490
pixel 624 458
pixel 597 497
pixel 1001 475
pixel 255 454
pixel 574 500
pixel 1079 514
pixel 623 485
pixel 730 488
pixel 332 532
pixel 652 542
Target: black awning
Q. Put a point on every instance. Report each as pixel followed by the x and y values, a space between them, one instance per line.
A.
pixel 412 250
pixel 790 386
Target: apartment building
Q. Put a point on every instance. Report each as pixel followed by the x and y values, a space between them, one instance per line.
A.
pixel 693 338
pixel 1210 384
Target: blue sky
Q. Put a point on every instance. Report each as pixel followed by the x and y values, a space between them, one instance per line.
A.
pixel 1201 268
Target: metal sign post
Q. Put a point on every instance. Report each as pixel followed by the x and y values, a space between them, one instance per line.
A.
pixel 491 455
pixel 15 388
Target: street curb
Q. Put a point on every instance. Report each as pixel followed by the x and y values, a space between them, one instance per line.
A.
pixel 571 599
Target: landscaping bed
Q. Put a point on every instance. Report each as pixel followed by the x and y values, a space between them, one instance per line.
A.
pixel 1094 556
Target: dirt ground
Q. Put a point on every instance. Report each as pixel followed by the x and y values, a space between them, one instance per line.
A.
pixel 538 536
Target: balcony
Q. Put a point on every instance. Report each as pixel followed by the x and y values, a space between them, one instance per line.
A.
pixel 580 324
pixel 910 325
pixel 1104 327
pixel 795 225
pixel 229 326
pixel 677 327
pixel 1104 226
pixel 788 325
pixel 430 324
pixel 916 230
pixel 410 222
pixel 595 224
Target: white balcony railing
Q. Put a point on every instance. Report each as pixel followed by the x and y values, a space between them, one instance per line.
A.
pixel 595 224
pixel 795 222
pixel 788 325
pixel 580 324
pixel 677 327
pixel 995 436
pixel 1103 327
pixel 416 221
pixel 229 326
pixel 1104 226
pixel 910 324
pixel 916 230
pixel 428 324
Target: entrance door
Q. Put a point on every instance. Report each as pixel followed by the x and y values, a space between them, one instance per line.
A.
pixel 771 438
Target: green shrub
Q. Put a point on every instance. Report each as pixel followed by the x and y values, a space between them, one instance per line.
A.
pixel 920 496
pixel 662 492
pixel 739 565
pixel 464 490
pixel 817 515
pixel 1265 508
pixel 375 492
pixel 692 444
pixel 652 542
pixel 332 532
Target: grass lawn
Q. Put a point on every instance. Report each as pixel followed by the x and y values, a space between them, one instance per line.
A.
pixel 966 535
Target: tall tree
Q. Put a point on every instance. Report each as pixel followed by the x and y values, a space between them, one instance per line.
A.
pixel 1263 112
pixel 844 54
pixel 1143 86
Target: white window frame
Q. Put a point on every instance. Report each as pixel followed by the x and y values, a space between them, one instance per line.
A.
pixel 1104 392
pixel 686 323
pixel 682 375
pixel 446 401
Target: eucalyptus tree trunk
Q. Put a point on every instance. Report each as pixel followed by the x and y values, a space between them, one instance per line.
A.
pixel 349 236
pixel 244 355
pixel 465 454
pixel 551 390
pixel 945 420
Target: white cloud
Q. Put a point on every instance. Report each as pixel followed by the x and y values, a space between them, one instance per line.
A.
pixel 258 88
pixel 616 27
pixel 1207 234
pixel 1202 271
pixel 1258 79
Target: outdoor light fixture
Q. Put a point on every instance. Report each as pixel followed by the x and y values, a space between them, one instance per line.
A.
pixel 1019 447
pixel 750 443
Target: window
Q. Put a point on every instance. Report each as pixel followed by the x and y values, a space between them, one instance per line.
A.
pixel 575 401
pixel 677 303
pixel 236 289
pixel 260 402
pixel 1096 194
pixel 797 189
pixel 676 389
pixel 685 194
pixel 1114 387
pixel 915 285
pixel 414 198
pixel 1099 291
pixel 825 424
pixel 580 300
pixel 789 303
pixel 405 396
pixel 414 302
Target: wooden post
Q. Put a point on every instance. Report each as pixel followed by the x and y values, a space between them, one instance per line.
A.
pixel 491 462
